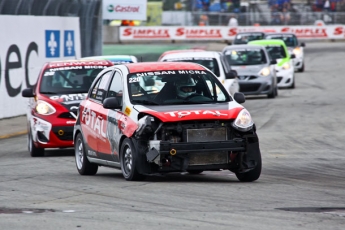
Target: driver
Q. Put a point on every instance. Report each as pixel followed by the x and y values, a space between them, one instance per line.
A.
pixel 185 88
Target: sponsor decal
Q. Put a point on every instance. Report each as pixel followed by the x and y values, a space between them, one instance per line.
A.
pixel 70 122
pixel 338 31
pixel 306 32
pixel 127 111
pixel 69 97
pixel 199 33
pixel 181 114
pixel 124 9
pixel 89 117
pixel 77 64
pixel 146 33
pixel 156 73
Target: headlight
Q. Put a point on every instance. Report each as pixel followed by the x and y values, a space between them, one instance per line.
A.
pixel 265 71
pixel 297 50
pixel 286 66
pixel 44 108
pixel 244 121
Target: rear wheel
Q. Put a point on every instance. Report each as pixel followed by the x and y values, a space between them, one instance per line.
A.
pixel 34 151
pixel 83 164
pixel 252 175
pixel 129 160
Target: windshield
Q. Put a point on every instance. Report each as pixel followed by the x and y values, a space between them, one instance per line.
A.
pixel 175 87
pixel 276 51
pixel 245 38
pixel 290 40
pixel 210 63
pixel 76 79
pixel 246 57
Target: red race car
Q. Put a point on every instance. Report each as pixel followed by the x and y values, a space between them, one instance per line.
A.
pixel 54 102
pixel 160 117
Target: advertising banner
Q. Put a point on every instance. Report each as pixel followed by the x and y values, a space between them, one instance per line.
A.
pixel 24 49
pixel 124 9
pixel 225 32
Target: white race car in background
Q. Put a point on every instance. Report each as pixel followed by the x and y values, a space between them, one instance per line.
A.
pixel 294 47
pixel 214 61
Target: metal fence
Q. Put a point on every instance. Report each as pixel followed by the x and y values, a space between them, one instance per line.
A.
pixel 268 18
pixel 88 11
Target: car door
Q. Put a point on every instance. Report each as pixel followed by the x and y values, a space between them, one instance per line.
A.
pixel 109 146
pixel 91 124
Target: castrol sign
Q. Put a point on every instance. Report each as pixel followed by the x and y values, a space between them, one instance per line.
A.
pixel 124 9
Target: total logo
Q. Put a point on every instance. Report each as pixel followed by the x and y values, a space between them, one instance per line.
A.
pixel 53 41
pixel 92 122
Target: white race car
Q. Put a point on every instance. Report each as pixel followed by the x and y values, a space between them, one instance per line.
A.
pixel 294 47
pixel 214 61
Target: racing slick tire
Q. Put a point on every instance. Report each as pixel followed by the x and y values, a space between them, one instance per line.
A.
pixel 194 172
pixel 34 151
pixel 129 161
pixel 84 166
pixel 253 174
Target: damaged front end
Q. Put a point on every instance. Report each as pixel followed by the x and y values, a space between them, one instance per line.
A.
pixel 195 145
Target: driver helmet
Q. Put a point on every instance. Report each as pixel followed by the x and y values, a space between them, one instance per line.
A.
pixel 185 87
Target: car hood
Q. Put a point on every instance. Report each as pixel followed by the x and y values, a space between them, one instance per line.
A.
pixel 69 101
pixel 173 113
pixel 248 69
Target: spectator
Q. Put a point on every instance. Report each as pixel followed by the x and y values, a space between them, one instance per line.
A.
pixel 327 6
pixel 203 21
pixel 233 21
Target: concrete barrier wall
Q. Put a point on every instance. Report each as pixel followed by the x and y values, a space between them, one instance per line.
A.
pixel 26 43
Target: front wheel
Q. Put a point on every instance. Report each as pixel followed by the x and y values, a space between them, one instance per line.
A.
pixel 302 68
pixel 129 160
pixel 293 83
pixel 83 164
pixel 34 151
pixel 253 174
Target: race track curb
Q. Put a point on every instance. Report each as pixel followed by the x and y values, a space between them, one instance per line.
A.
pixel 13 134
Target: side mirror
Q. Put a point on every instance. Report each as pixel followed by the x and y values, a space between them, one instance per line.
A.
pixel 303 44
pixel 292 56
pixel 231 75
pixel 273 62
pixel 239 98
pixel 28 92
pixel 111 103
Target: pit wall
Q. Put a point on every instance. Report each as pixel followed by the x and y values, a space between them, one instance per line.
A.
pixel 26 43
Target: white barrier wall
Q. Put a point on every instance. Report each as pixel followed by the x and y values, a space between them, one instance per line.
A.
pixel 225 32
pixel 26 43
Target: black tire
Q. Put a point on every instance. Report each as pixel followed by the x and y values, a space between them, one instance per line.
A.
pixel 129 161
pixel 272 94
pixel 33 150
pixel 194 172
pixel 84 166
pixel 276 91
pixel 301 69
pixel 253 174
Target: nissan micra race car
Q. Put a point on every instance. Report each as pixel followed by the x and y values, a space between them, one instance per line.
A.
pixel 54 102
pixel 294 47
pixel 278 51
pixel 255 69
pixel 180 127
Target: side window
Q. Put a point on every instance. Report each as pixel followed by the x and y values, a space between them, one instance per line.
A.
pixel 116 87
pixel 98 91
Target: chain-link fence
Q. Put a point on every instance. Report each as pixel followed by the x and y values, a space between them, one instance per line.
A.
pixel 88 11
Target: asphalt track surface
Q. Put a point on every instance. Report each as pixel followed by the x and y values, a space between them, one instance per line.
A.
pixel 302 185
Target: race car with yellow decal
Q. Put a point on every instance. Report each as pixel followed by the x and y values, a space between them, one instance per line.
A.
pixel 284 68
pixel 189 124
pixel 54 101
